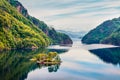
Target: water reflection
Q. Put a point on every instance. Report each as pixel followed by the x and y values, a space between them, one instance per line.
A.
pixel 60 51
pixel 16 64
pixel 108 55
pixel 51 68
pixel 78 64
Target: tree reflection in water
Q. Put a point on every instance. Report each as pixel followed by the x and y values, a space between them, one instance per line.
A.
pixel 16 64
pixel 51 68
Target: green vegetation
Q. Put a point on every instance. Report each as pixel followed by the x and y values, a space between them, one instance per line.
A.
pixel 55 37
pixel 23 31
pixel 15 64
pixel 18 32
pixel 114 38
pixel 51 58
pixel 18 63
pixel 107 33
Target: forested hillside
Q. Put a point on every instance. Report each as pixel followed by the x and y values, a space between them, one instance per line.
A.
pixel 108 33
pixel 56 37
pixel 23 31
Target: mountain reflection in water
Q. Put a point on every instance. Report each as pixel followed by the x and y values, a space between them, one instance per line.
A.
pixel 16 64
pixel 78 63
pixel 108 55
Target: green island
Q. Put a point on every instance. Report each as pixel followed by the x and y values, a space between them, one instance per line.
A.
pixel 50 58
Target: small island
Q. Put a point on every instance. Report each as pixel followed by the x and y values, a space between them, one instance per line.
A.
pixel 50 58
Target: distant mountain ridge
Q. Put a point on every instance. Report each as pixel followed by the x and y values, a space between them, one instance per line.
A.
pixel 107 33
pixel 72 34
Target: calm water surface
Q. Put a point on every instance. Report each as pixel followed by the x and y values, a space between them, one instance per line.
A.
pixel 79 62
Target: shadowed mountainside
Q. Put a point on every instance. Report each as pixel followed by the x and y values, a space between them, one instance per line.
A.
pixel 107 33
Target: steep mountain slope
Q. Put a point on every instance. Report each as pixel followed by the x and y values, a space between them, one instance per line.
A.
pixel 23 31
pixel 107 33
pixel 18 32
pixel 56 37
pixel 114 38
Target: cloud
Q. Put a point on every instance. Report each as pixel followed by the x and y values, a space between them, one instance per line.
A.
pixel 73 14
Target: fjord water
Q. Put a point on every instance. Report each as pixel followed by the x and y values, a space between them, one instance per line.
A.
pixel 79 62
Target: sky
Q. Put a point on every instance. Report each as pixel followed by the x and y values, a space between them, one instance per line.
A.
pixel 73 15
